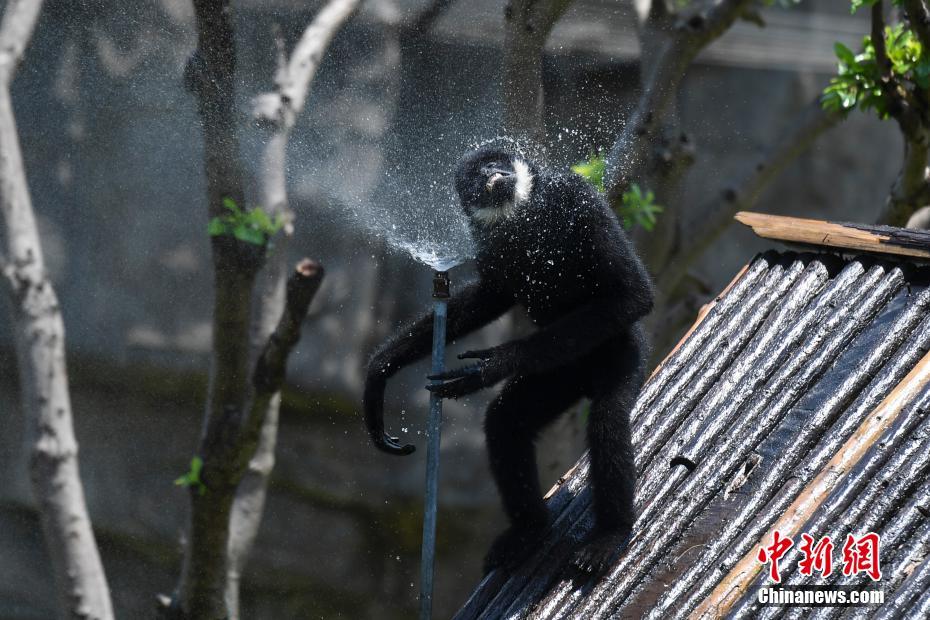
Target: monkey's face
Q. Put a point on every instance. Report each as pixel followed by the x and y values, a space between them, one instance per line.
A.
pixel 492 183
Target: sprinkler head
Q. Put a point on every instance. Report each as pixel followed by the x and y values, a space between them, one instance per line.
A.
pixel 441 285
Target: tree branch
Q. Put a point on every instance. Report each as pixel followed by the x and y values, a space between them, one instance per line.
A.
pixel 277 111
pixel 281 107
pixel 918 14
pixel 902 105
pixel 911 189
pixel 526 28
pixel 422 22
pixel 19 21
pixel 878 39
pixel 685 39
pixel 268 377
pixel 713 218
pixel 80 584
pixel 259 436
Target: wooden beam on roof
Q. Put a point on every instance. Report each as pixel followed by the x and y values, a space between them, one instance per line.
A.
pixel 843 235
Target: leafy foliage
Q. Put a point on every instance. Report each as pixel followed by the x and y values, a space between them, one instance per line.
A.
pixel 592 170
pixel 192 477
pixel 858 4
pixel 253 226
pixel 637 208
pixel 858 80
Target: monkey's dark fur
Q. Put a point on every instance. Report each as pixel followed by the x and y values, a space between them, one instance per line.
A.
pixel 547 242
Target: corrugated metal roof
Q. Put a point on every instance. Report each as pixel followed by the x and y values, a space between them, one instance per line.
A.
pixel 797 402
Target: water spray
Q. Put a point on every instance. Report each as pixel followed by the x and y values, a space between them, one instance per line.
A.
pixel 441 286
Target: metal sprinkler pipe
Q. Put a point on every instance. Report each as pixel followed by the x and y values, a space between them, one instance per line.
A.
pixel 434 428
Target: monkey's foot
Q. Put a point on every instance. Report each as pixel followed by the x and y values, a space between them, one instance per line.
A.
pixel 513 546
pixel 596 555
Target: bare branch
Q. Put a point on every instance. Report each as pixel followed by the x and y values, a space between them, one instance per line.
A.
pixel 260 431
pixel 19 20
pixel 422 22
pixel 656 13
pixel 80 584
pixel 713 218
pixel 878 39
pixel 686 39
pixel 306 57
pixel 269 371
pixel 293 84
pixel 911 189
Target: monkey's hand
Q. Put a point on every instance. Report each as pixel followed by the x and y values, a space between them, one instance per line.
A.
pixel 493 365
pixel 373 402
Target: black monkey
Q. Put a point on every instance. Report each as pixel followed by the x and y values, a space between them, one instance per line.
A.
pixel 547 242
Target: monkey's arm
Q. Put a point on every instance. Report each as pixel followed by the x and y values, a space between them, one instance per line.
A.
pixel 477 305
pixel 571 337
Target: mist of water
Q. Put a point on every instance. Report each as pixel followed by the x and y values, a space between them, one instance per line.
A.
pixel 431 228
pixel 425 222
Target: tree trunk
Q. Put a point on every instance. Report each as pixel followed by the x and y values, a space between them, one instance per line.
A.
pixel 80 583
pixel 527 24
pixel 911 190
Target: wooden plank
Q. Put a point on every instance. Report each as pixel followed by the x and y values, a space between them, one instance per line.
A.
pixel 728 591
pixel 857 237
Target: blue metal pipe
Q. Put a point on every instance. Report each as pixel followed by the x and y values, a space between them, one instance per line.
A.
pixel 433 432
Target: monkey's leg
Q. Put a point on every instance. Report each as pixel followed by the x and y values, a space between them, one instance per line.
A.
pixel 612 466
pixel 513 421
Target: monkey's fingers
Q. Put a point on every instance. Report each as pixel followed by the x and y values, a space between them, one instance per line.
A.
pixel 457 387
pixel 389 444
pixel 474 370
pixel 478 354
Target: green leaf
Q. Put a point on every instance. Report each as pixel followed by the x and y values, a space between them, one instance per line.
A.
pixel 217 227
pixel 858 4
pixel 592 170
pixel 638 208
pixel 230 204
pixel 247 233
pixel 255 226
pixel 844 53
pixel 192 477
pixel 261 219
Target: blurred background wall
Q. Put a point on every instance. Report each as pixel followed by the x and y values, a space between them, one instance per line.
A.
pixel 114 159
